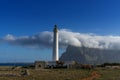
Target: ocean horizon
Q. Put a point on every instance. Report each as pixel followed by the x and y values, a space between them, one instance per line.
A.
pixel 16 64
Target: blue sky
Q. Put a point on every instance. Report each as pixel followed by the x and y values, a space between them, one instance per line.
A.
pixel 29 17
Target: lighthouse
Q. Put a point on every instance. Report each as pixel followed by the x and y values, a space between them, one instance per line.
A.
pixel 55 44
pixel 55 63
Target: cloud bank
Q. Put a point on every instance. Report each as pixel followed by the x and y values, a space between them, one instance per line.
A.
pixel 66 37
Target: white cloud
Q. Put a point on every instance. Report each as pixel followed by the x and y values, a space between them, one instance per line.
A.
pixel 66 37
pixel 9 37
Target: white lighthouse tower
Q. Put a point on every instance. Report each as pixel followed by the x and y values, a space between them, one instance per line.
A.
pixel 55 44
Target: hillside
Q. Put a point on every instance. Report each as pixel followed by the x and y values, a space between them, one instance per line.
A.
pixel 90 55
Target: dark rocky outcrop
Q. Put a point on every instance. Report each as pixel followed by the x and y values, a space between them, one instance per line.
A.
pixel 90 55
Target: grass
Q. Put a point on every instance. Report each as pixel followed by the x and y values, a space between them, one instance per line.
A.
pixel 109 74
pixel 63 74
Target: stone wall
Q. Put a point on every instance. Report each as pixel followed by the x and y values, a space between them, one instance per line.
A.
pixel 39 65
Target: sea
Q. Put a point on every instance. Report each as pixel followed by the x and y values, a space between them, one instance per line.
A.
pixel 16 64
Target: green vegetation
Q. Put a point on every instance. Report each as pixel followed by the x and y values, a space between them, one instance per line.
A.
pixel 60 74
pixel 109 74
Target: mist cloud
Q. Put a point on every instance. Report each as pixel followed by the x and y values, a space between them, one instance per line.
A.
pixel 66 37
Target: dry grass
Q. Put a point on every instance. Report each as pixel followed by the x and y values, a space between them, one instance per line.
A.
pixel 94 75
pixel 62 74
